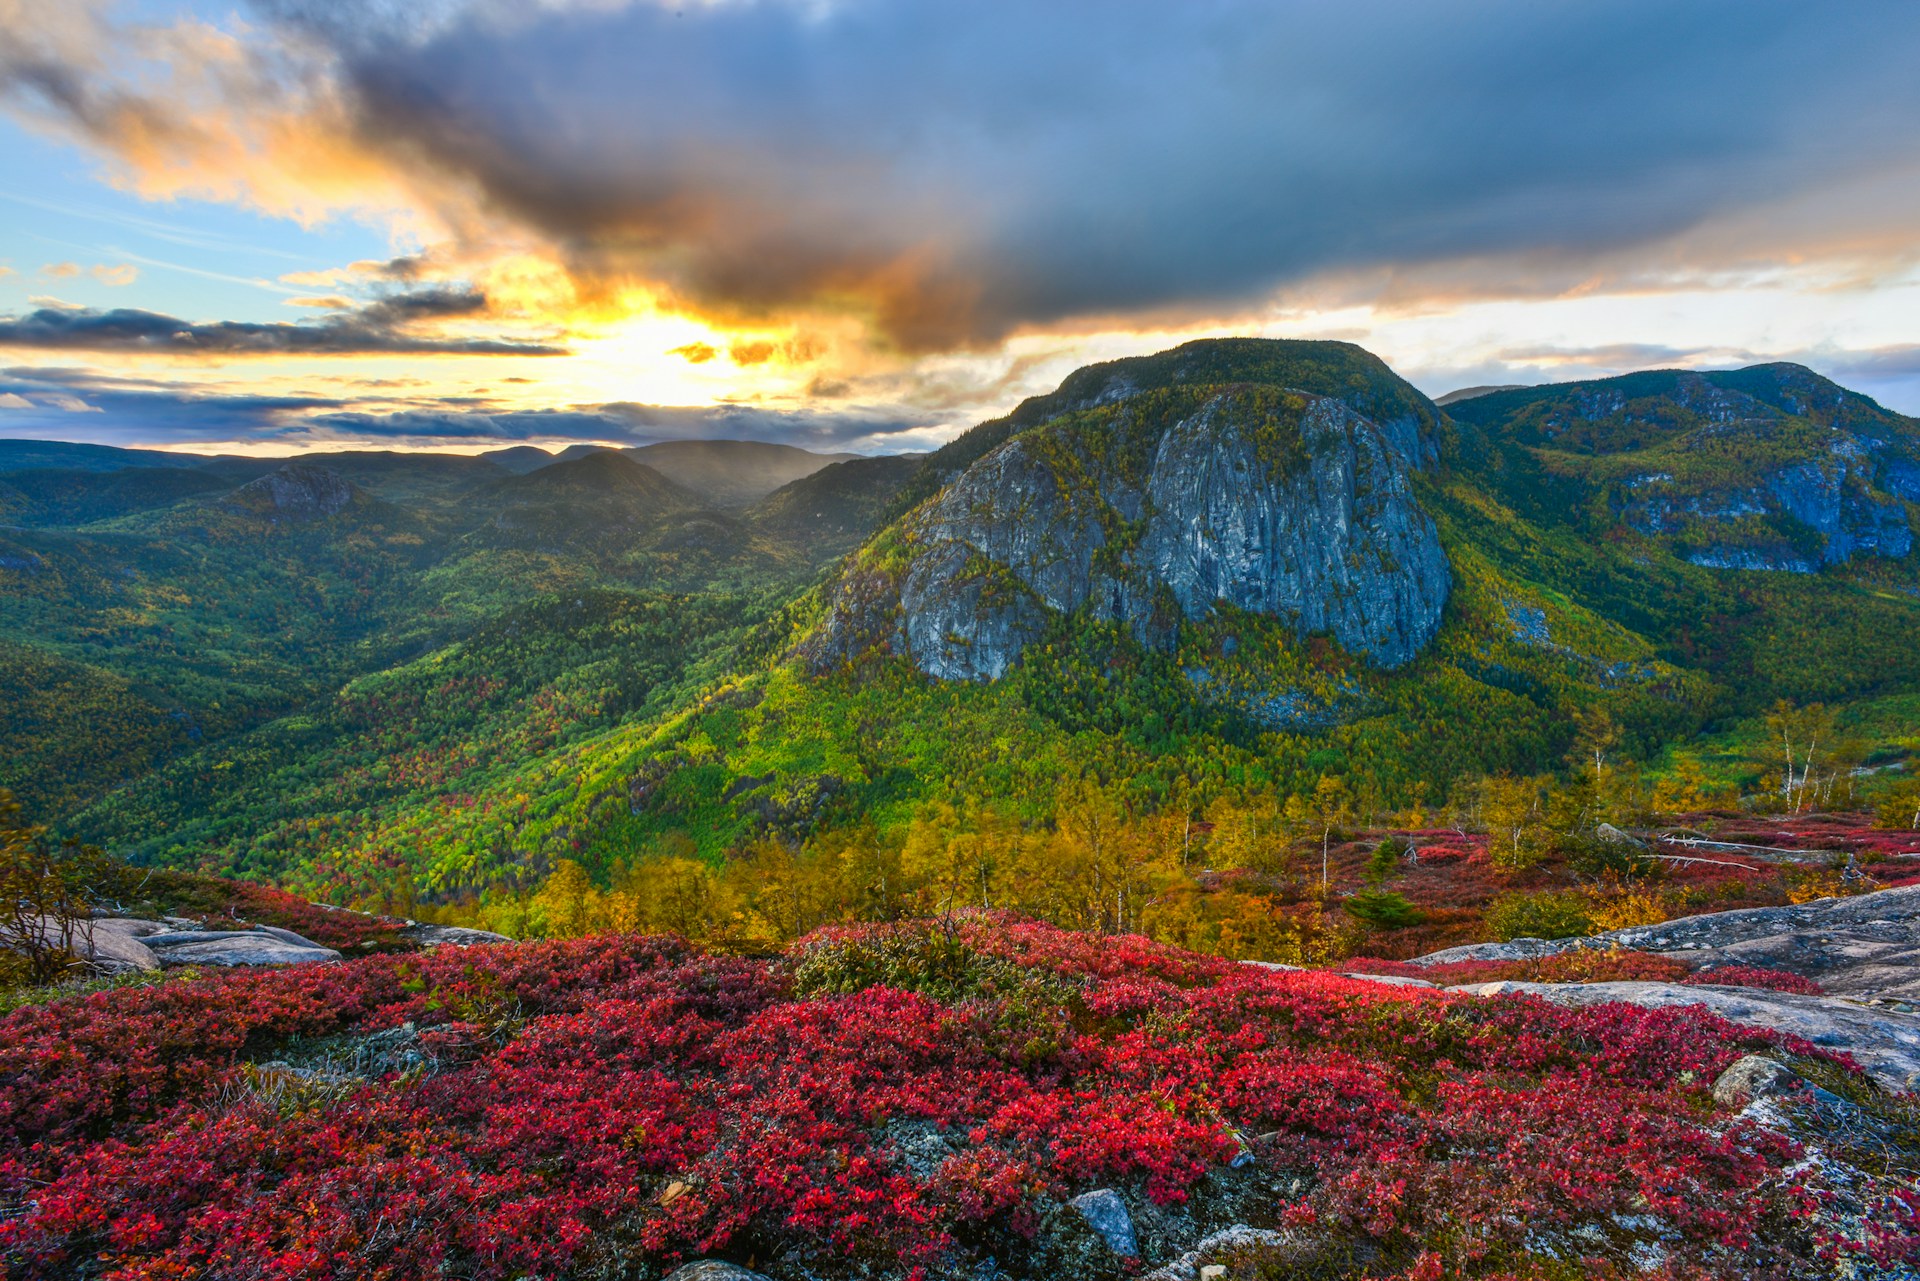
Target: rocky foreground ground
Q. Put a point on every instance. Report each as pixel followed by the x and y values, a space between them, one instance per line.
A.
pixel 974 1099
pixel 1863 951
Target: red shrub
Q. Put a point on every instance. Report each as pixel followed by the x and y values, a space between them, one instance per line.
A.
pixel 614 1105
pixel 1755 976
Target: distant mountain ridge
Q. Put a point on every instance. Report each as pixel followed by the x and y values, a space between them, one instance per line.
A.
pixel 1771 467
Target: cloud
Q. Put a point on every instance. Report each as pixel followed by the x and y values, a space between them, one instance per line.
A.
pixel 402 270
pixel 1897 360
pixel 1609 356
pixel 954 172
pixel 146 411
pixel 111 274
pixel 375 328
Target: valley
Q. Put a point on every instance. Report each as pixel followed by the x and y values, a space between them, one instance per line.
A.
pixel 1183 589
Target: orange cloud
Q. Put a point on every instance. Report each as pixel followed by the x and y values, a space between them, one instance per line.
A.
pixel 751 353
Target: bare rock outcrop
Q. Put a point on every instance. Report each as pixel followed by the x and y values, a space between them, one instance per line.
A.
pixel 263 945
pixel 1866 947
pixel 1273 502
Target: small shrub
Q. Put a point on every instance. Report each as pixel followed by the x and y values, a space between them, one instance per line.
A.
pixel 1389 911
pixel 1591 856
pixel 1625 908
pixel 1549 914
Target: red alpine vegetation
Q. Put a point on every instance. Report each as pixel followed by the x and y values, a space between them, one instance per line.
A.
pixel 898 1100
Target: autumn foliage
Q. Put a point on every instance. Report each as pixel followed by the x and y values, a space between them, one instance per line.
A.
pixel 903 1101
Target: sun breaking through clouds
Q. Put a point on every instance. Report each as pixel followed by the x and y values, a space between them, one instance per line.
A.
pixel 910 214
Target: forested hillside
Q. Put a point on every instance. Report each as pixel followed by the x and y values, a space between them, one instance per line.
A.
pixel 461 676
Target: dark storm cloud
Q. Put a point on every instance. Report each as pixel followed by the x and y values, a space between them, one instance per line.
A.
pixel 376 328
pixel 76 404
pixel 964 168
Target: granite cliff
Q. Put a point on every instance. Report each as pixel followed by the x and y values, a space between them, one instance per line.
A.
pixel 1771 467
pixel 1144 505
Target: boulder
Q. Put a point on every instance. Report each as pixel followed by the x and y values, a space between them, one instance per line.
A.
pixel 1866 946
pixel 1755 1077
pixel 177 938
pixel 449 935
pixel 1391 980
pixel 713 1270
pixel 1612 835
pixel 225 947
pixel 110 945
pixel 1107 1215
pixel 1884 1042
pixel 117 945
pixel 285 936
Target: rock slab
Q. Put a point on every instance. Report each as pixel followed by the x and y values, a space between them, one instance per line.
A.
pixel 713 1270
pixel 263 946
pixel 1866 946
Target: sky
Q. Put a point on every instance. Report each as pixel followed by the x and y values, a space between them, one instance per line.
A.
pixel 272 226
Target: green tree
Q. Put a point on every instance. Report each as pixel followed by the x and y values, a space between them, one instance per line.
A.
pixel 1384 863
pixel 1900 807
pixel 1799 736
pixel 568 905
pixel 1510 808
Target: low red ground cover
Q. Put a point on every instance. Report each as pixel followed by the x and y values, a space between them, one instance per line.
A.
pixel 899 1101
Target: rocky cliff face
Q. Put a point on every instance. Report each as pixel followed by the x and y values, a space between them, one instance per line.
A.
pixel 1824 509
pixel 1771 467
pixel 295 494
pixel 1149 509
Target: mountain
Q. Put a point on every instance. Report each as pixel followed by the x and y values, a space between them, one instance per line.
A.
pixel 151 616
pixel 1150 507
pixel 1468 393
pixel 732 473
pixel 595 490
pixel 35 455
pixel 1248 564
pixel 1225 571
pixel 294 494
pixel 832 510
pixel 65 497
pixel 1771 467
pixel 519 459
